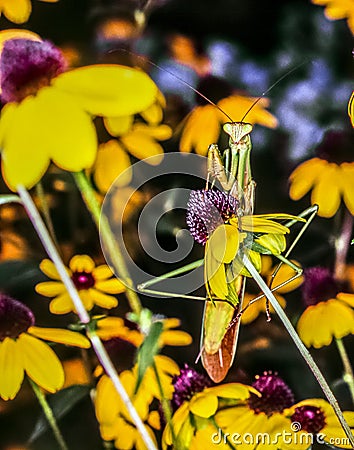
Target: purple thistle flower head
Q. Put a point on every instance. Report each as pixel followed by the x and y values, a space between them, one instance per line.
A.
pixel 319 286
pixel 15 317
pixel 26 66
pixel 311 418
pixel 186 384
pixel 276 394
pixel 206 210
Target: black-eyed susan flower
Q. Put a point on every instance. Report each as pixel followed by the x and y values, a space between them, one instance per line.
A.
pixel 94 284
pixel 251 312
pixel 18 11
pixel 214 219
pixel 112 415
pixel 338 9
pixel 271 420
pixel 316 417
pixel 22 350
pixel 116 327
pixel 48 112
pixel 139 139
pixel 327 307
pixel 203 125
pixel 330 175
pixel 195 403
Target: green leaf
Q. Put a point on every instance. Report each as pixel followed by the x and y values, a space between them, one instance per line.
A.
pixel 148 349
pixel 61 403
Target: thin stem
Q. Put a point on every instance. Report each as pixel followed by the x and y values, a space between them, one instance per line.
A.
pixel 166 406
pixel 301 347
pixel 342 244
pixel 348 376
pixel 97 345
pixel 48 412
pixel 110 243
pixel 45 210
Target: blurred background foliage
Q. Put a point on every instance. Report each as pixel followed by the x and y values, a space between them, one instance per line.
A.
pixel 251 44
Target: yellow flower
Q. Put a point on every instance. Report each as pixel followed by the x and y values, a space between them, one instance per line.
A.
pixel 351 109
pixel 331 310
pixel 18 11
pixel 316 416
pixel 93 284
pixel 111 327
pixel 203 125
pixel 330 176
pixel 22 350
pixel 222 248
pixel 49 113
pixel 196 405
pixel 112 415
pixel 250 313
pixel 338 9
pixel 140 140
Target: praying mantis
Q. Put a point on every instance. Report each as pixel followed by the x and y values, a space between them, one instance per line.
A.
pixel 221 319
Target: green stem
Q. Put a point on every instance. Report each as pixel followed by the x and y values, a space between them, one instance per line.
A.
pixel 301 347
pixel 348 376
pixel 45 210
pixel 110 244
pixel 166 406
pixel 84 317
pixel 48 412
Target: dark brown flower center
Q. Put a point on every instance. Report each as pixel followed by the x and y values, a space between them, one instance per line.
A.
pixel 319 286
pixel 188 383
pixel 337 146
pixel 83 280
pixel 276 395
pixel 26 66
pixel 311 418
pixel 15 317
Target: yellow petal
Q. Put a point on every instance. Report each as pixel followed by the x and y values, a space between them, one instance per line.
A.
pixel 17 11
pixel 23 162
pixel 61 304
pixel 159 132
pixel 261 225
pixel 50 288
pixel 204 405
pixel 305 176
pixel 232 390
pixel 112 286
pixel 214 274
pixel 48 268
pixel 202 128
pixel 106 403
pixel 347 170
pixel 236 106
pixel 116 126
pixel 11 369
pixel 275 243
pixel 82 263
pixel 347 298
pixel 112 166
pixel 351 109
pixel 284 274
pixel 108 90
pixel 176 338
pixel 60 336
pixel 326 192
pixel 171 322
pixel 41 363
pixel 103 300
pixel 102 272
pixel 153 115
pixel 224 243
pixel 143 146
pixel 251 312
